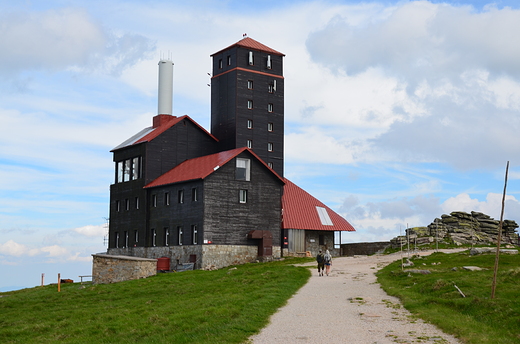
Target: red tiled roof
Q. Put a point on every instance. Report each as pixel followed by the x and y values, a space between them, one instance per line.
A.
pixel 252 44
pixel 167 125
pixel 300 212
pixel 200 168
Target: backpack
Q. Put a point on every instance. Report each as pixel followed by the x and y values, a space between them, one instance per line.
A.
pixel 320 258
pixel 327 258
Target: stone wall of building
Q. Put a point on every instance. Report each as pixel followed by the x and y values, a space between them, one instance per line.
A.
pixel 313 242
pixel 114 268
pixel 202 256
pixel 364 248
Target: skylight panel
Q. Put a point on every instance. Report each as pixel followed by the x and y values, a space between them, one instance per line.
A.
pixel 324 216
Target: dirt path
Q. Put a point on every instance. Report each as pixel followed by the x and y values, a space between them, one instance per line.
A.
pixel 348 306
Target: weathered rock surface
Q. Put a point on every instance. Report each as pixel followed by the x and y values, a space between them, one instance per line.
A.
pixel 461 228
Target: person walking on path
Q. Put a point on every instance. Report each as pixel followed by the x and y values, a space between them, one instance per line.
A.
pixel 328 262
pixel 321 263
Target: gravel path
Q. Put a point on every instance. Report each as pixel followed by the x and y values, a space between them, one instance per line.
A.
pixel 348 306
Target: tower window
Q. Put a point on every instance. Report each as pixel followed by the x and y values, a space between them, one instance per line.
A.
pixel 229 60
pixel 250 104
pixel 269 146
pixel 137 203
pixel 270 164
pixel 179 232
pixel 154 237
pixel 194 196
pixel 268 61
pixel 118 206
pixel 249 124
pixel 270 107
pixel 154 201
pixel 250 144
pixel 243 170
pixel 117 240
pixel 270 88
pixel 250 84
pixel 166 198
pixel 136 236
pixel 251 61
pixel 269 126
pixel 126 239
pixel 180 196
pixel 242 196
pixel 166 236
pixel 127 204
pixel 220 63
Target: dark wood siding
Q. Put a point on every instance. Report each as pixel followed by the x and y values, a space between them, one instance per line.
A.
pixel 177 214
pixel 226 220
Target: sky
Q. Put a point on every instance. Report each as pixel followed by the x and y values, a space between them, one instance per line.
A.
pixel 396 112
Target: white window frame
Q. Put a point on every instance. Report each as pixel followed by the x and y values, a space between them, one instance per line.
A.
pixel 166 198
pixel 166 236
pixel 270 126
pixel 179 230
pixel 269 146
pixel 194 195
pixel 250 84
pixel 154 237
pixel 250 104
pixel 270 107
pixel 243 164
pixel 180 196
pixel 249 124
pixel 194 234
pixel 242 196
pixel 250 144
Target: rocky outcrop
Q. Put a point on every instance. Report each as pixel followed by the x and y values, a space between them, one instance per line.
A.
pixel 461 228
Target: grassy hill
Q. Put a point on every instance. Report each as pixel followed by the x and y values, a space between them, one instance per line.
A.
pixel 222 306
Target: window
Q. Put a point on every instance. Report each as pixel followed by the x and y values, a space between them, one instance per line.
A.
pixel 136 236
pixel 270 88
pixel 126 239
pixel 135 168
pixel 229 60
pixel 269 146
pixel 154 201
pixel 321 239
pixel 154 237
pixel 250 104
pixel 194 234
pixel 120 171
pixel 269 126
pixel 166 236
pixel 127 204
pixel 270 164
pixel 324 216
pixel 117 240
pixel 250 144
pixel 194 195
pixel 242 196
pixel 129 169
pixel 180 196
pixel 250 84
pixel 179 231
pixel 118 206
pixel 220 63
pixel 243 169
pixel 137 203
pixel 249 124
pixel 166 198
pixel 251 61
pixel 268 61
pixel 270 107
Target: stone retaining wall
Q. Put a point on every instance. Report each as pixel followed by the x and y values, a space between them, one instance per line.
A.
pixel 363 248
pixel 113 268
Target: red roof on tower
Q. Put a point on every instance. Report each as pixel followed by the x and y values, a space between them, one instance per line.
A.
pixel 252 44
pixel 303 211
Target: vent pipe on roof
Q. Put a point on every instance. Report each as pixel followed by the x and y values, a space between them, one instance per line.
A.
pixel 165 99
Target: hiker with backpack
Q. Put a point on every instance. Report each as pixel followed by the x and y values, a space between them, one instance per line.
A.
pixel 321 263
pixel 327 258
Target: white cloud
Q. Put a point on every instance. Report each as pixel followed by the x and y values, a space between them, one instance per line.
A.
pixel 12 248
pixel 92 231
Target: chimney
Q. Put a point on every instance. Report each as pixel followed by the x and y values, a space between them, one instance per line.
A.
pixel 165 87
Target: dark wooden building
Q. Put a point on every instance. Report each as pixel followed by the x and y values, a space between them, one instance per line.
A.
pixel 214 199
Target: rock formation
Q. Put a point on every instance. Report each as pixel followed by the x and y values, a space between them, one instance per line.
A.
pixel 461 228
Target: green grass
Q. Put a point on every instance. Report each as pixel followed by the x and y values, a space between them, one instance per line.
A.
pixel 475 319
pixel 222 306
